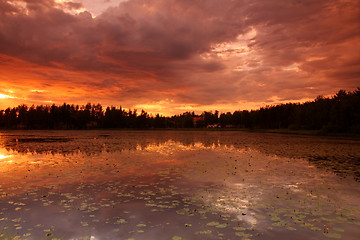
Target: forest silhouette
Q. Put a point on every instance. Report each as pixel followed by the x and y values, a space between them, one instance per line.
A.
pixel 337 114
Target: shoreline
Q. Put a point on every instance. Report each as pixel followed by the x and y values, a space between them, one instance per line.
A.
pixel 314 133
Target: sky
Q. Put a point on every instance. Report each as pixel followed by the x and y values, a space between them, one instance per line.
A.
pixel 172 56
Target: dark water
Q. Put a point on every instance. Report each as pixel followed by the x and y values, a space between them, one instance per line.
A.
pixel 177 185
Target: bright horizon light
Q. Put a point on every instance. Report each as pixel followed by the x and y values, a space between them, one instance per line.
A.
pixel 4 96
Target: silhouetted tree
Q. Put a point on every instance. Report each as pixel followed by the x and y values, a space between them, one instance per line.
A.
pixel 339 113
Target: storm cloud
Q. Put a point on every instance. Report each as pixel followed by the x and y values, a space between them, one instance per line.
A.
pixel 172 54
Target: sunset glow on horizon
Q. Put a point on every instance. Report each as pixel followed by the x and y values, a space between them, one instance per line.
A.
pixel 171 56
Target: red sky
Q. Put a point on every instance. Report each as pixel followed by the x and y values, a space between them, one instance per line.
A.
pixel 171 56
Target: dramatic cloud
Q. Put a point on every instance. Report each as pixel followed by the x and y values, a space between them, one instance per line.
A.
pixel 170 56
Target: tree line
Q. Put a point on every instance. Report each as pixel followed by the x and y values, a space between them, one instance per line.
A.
pixel 339 114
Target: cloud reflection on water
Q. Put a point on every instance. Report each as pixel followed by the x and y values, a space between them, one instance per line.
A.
pixel 224 184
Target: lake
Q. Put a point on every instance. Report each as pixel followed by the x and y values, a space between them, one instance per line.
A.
pixel 177 185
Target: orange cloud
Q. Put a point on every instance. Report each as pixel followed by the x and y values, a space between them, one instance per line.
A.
pixel 171 56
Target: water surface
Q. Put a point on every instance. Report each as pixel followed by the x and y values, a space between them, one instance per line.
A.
pixel 177 185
